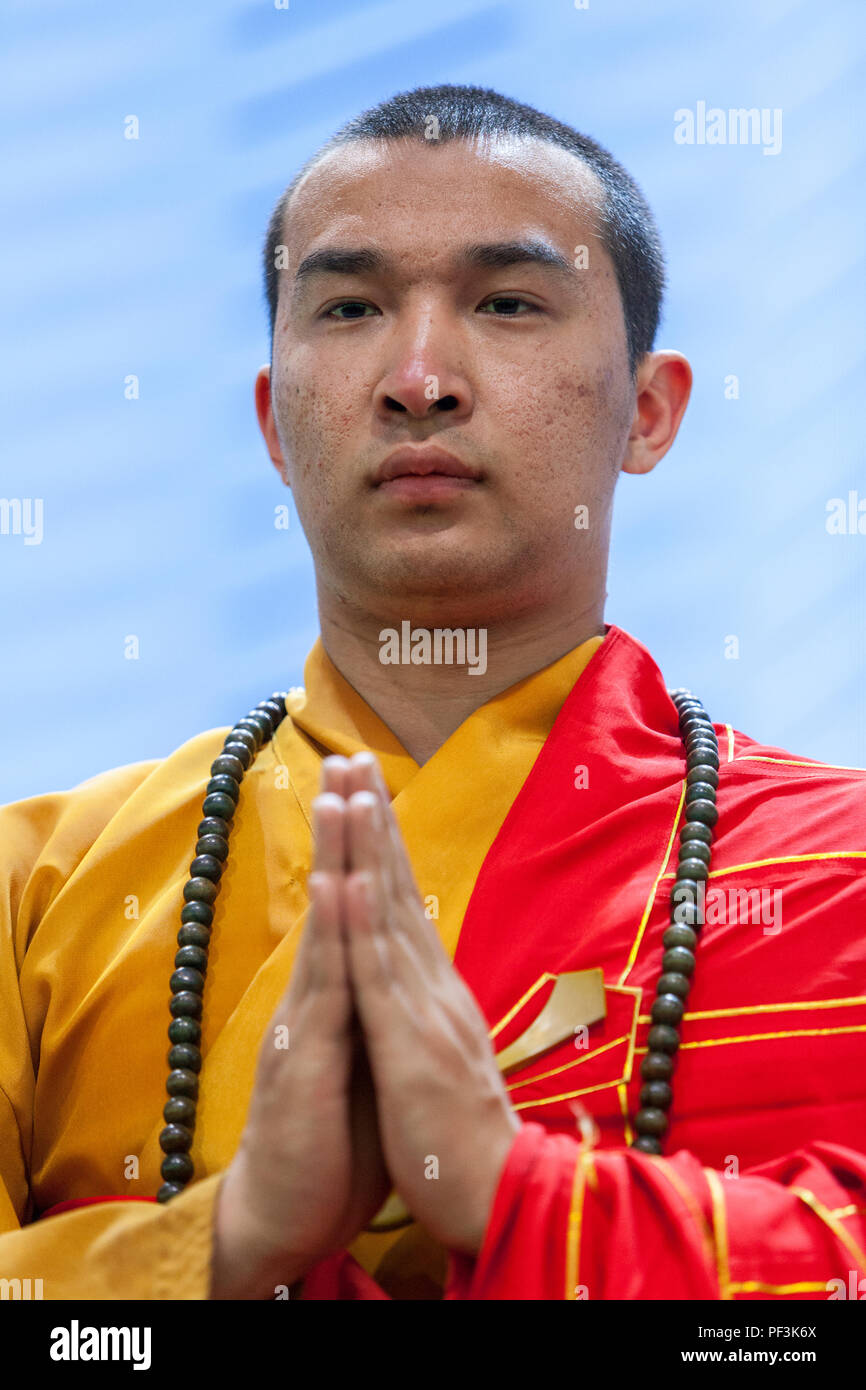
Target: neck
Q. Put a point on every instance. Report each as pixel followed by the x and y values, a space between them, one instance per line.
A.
pixel 422 704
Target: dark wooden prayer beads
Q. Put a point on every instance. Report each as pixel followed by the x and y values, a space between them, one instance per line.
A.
pixel 681 937
pixel 187 982
pixel 200 892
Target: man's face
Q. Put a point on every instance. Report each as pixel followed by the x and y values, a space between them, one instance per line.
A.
pixel 529 351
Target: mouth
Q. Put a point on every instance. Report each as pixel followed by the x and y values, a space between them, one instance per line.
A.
pixel 413 471
pixel 427 487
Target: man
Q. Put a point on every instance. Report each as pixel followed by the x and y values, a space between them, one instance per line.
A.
pixel 428 1056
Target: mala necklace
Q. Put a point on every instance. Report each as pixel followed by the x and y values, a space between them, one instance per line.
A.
pixel 241 745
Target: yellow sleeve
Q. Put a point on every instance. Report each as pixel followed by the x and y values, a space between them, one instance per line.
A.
pixel 113 1250
pixel 119 1250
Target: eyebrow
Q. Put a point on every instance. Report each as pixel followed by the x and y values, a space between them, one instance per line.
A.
pixel 492 255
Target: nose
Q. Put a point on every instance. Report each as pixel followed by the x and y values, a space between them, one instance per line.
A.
pixel 424 376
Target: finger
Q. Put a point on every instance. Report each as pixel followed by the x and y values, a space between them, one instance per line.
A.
pixel 367 947
pixel 316 960
pixel 399 916
pixel 365 774
pixel 334 772
pixel 330 845
pixel 327 965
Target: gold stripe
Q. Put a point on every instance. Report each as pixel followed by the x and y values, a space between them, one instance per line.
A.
pixel 783 859
pixel 769 1008
pixel 533 989
pixel 651 899
pixel 720 1230
pixel 623 1105
pixel 590 1174
pixel 569 1095
pixel 850 1210
pixel 830 1220
pixel 766 1037
pixel 575 1217
pixel 691 1202
pixel 795 762
pixel 755 1286
pixel 730 743
pixel 542 1076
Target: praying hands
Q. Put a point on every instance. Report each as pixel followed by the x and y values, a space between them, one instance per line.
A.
pixel 389 1081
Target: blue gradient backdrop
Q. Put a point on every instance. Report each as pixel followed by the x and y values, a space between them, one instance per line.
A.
pixel 142 257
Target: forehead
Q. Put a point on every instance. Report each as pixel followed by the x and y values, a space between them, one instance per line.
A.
pixel 420 198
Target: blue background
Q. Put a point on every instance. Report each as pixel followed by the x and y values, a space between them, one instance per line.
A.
pixel 143 257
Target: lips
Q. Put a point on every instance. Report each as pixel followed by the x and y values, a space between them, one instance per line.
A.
pixel 422 462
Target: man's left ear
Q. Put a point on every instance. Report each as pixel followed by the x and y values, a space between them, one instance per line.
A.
pixel 662 387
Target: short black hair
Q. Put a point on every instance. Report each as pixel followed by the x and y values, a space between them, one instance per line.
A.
pixel 628 227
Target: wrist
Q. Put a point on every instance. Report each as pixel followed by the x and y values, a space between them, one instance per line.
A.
pixel 244 1263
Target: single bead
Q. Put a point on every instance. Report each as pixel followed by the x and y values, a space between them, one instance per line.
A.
pixel 702 753
pixel 696 830
pixel 199 913
pixel 259 716
pixel 213 825
pixel 245 730
pixel 193 956
pixel 695 849
pixel 182 1082
pixel 276 710
pixel 656 1094
pixel 180 1110
pixel 168 1190
pixel 175 1139
pixel 696 724
pixel 680 936
pixel 225 784
pixel 279 699
pixel 648 1121
pixel 686 891
pixel 656 1066
pixel 694 869
pixel 686 914
pixel 177 1168
pixel 680 959
pixel 184 1057
pixel 193 934
pixel 705 811
pixel 184 1030
pixel 205 866
pixel 667 1008
pixel 214 845
pixel 200 890
pixel 646 1144
pixel 702 772
pixel 186 978
pixel 185 1005
pixel 240 748
pixel 672 982
pixel 663 1038
pixel 228 765
pixel 218 804
pixel 699 791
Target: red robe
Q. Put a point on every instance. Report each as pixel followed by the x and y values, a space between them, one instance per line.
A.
pixel 761 1191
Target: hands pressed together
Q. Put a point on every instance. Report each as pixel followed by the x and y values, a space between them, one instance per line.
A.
pixel 389 1066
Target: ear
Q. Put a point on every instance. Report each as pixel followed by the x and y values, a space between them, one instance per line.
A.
pixel 663 386
pixel 267 424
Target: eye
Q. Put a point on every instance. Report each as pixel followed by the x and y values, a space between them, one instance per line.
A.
pixel 509 306
pixel 356 309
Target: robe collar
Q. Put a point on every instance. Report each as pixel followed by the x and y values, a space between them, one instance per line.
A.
pixel 332 713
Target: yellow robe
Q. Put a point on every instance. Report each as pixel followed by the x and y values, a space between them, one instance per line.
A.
pixel 91 884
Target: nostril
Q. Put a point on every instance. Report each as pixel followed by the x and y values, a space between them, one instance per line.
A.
pixel 394 405
pixel 447 403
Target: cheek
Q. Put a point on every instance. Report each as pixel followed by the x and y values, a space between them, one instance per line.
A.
pixel 312 418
